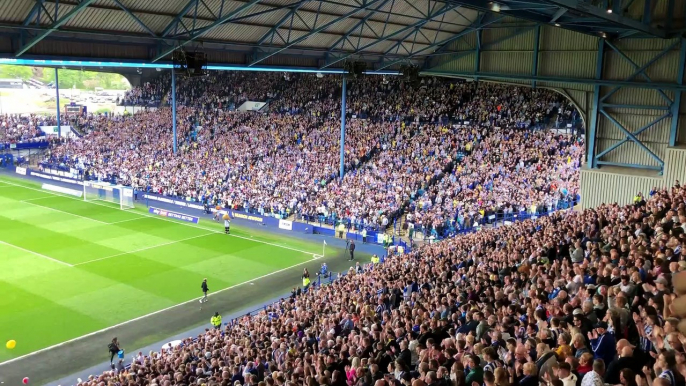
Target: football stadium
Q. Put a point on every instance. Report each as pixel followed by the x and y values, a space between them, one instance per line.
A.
pixel 342 193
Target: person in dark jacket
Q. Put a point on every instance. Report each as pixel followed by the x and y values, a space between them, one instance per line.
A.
pixel 529 372
pixel 602 343
pixel 114 349
pixel 405 354
pixel 626 360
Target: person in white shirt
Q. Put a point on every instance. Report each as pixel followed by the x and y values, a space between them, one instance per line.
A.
pixel 227 223
pixel 595 376
pixel 564 372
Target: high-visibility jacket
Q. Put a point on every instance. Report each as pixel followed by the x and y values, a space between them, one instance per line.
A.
pixel 306 281
pixel 375 259
pixel 216 320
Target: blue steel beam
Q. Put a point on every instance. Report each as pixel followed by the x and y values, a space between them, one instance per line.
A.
pixel 173 92
pixel 315 31
pixel 636 67
pixel 342 143
pixel 194 35
pixel 400 43
pixel 554 79
pixel 593 25
pixel 481 19
pixel 54 26
pixel 637 107
pixel 460 54
pixel 537 43
pixel 674 126
pixel 272 31
pixel 670 15
pixel 647 11
pixel 439 44
pixel 558 14
pixel 414 26
pixel 635 133
pixel 209 10
pixel 590 10
pixel 633 166
pixel 34 11
pixel 477 52
pixel 357 25
pixel 633 138
pixel 593 129
pixel 642 69
pixel 617 7
pixel 239 18
pixel 172 24
pixel 57 101
pixel 135 18
pixel 424 14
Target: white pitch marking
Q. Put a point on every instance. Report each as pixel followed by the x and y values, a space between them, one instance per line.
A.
pixel 61 211
pixel 35 253
pixel 194 300
pixel 144 249
pixel 165 219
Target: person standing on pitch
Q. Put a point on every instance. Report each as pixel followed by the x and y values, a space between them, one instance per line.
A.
pixel 204 291
pixel 352 250
pixel 227 224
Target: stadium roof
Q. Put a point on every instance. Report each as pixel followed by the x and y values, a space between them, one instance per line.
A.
pixel 291 33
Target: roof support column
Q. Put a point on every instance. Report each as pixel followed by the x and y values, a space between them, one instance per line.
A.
pixel 342 166
pixel 592 130
pixel 173 95
pixel 674 127
pixel 537 38
pixel 57 103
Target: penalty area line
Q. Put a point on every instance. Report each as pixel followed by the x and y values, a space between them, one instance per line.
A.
pixel 35 253
pixel 143 215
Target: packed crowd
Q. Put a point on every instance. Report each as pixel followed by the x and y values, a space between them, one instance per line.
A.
pixel 16 128
pixel 500 167
pixel 482 165
pixel 579 298
pixel 222 90
pixel 282 161
pixel 148 94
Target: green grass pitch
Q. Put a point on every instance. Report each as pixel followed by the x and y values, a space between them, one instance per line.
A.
pixel 70 267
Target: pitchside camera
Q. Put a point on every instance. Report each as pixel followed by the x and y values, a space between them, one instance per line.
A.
pixel 191 64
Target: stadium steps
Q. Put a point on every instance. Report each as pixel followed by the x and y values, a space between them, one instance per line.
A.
pixel 78 131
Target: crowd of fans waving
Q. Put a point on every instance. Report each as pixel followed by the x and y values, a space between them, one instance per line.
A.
pixel 404 143
pixel 22 128
pixel 578 298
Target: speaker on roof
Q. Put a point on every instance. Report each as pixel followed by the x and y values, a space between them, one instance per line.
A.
pixel 190 64
pixel 355 69
pixel 410 73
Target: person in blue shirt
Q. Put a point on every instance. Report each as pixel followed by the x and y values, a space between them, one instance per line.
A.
pixel 603 342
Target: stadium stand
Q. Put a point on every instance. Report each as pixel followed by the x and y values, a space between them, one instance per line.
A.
pixel 400 141
pixel 16 128
pixel 572 298
pixel 149 94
